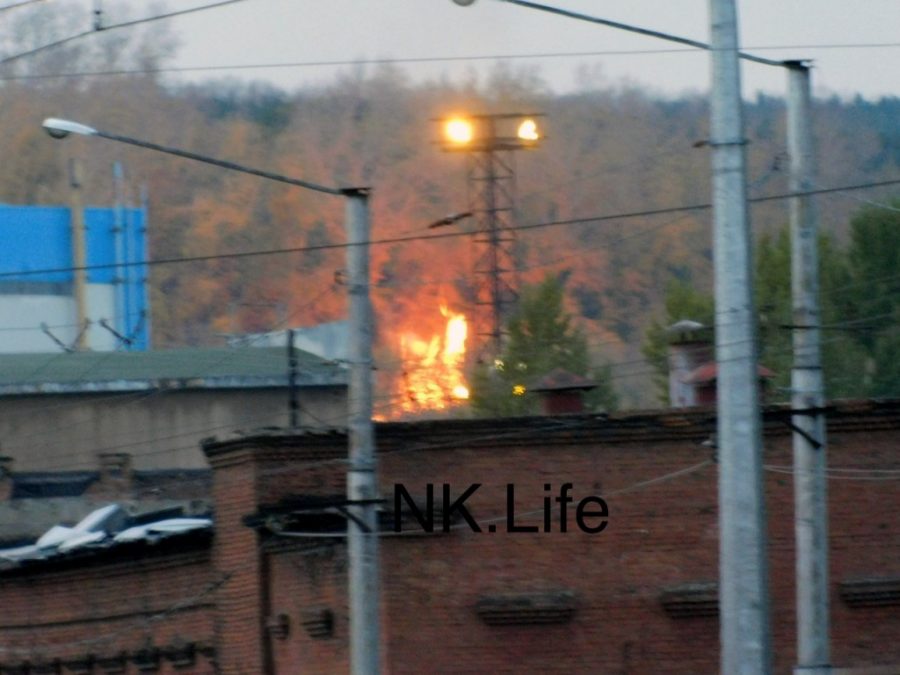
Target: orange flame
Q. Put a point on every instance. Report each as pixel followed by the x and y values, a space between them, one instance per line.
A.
pixel 433 369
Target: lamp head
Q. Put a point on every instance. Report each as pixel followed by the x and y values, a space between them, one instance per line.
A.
pixel 464 3
pixel 459 131
pixel 59 128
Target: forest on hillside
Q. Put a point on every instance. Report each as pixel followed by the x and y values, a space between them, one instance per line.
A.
pixel 609 149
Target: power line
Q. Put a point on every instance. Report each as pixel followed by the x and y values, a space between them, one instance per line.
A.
pixel 16 5
pixel 445 235
pixel 104 29
pixel 413 60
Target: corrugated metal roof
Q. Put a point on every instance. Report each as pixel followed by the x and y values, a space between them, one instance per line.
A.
pixel 194 367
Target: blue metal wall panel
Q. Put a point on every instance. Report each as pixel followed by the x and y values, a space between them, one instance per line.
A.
pixel 100 244
pixel 36 238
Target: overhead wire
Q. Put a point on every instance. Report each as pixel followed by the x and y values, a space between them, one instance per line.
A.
pixel 448 235
pixel 111 27
pixel 413 60
pixel 17 5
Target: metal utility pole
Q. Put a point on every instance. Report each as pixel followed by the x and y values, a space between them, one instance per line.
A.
pixel 79 255
pixel 362 479
pixel 293 404
pixel 808 396
pixel 743 574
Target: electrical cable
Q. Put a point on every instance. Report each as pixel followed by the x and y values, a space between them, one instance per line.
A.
pixel 422 60
pixel 115 26
pixel 446 235
pixel 17 5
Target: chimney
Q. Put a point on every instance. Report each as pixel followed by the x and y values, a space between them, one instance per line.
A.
pixel 562 392
pixel 690 346
pixel 6 477
pixel 115 474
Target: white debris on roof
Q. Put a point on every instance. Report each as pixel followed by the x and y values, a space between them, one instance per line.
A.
pixel 153 531
pixel 54 536
pixel 99 520
pixel 79 540
pixel 20 553
pixel 102 528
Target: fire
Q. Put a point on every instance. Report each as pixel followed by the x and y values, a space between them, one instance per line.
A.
pixel 433 368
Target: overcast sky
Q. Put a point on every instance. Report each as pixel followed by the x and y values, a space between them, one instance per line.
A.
pixel 308 31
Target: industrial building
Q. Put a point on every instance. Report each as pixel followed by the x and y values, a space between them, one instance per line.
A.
pixel 40 301
pixel 262 588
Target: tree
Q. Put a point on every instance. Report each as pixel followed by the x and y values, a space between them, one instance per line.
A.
pixel 682 302
pixel 842 311
pixel 871 299
pixel 542 338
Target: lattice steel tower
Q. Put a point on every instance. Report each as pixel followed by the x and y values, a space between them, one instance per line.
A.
pixel 489 142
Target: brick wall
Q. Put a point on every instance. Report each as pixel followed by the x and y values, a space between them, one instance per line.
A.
pixel 453 603
pixel 637 598
pixel 148 612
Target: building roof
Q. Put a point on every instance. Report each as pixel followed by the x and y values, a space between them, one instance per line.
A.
pixel 708 372
pixel 215 368
pixel 560 379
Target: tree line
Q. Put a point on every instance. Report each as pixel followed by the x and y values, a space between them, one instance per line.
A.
pixel 610 149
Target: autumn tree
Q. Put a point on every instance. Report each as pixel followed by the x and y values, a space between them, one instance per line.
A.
pixel 542 337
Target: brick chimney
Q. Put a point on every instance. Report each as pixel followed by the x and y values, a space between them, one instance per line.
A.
pixel 115 475
pixel 690 346
pixel 562 392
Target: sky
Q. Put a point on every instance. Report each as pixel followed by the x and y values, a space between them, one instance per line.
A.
pixel 254 32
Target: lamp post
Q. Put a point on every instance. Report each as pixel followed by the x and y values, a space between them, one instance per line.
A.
pixel 362 485
pixel 487 139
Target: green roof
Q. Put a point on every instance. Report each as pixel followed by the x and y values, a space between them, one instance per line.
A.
pixel 234 367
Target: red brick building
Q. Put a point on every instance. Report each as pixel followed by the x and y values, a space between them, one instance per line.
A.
pixel 267 593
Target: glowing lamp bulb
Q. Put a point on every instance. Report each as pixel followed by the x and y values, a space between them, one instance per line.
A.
pixel 528 130
pixel 459 131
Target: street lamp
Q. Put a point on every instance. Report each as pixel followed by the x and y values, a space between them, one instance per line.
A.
pixel 362 486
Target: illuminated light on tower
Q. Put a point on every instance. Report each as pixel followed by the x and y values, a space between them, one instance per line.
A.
pixel 489 141
pixel 458 131
pixel 528 130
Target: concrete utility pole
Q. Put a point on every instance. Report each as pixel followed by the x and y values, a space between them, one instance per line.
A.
pixel 362 485
pixel 362 479
pixel 810 487
pixel 743 575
